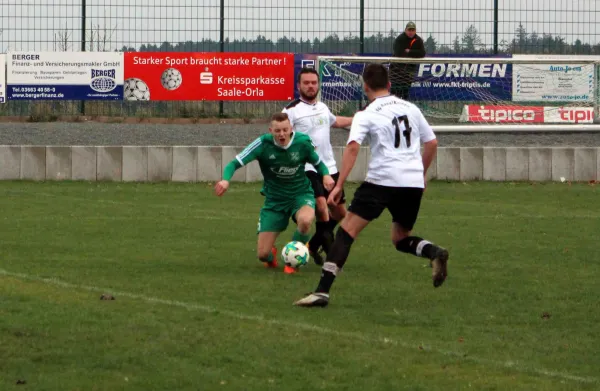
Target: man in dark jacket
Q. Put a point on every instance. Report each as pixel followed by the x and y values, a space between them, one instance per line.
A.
pixel 407 45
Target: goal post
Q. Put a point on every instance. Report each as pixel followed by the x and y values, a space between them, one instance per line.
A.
pixel 522 93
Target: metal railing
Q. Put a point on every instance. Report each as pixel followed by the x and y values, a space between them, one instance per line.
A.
pixel 308 26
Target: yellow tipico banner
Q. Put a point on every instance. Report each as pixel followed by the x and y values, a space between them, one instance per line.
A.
pixel 2 78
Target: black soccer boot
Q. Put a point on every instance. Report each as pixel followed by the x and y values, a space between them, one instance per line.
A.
pixel 439 264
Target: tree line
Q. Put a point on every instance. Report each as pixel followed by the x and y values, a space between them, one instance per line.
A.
pixel 470 42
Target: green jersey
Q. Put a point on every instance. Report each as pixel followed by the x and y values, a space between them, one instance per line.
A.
pixel 283 167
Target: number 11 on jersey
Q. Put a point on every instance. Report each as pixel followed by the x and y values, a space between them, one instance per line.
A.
pixel 406 132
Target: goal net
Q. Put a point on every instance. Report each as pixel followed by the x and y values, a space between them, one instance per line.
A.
pixel 526 90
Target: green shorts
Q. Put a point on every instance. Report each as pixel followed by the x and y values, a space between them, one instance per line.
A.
pixel 275 215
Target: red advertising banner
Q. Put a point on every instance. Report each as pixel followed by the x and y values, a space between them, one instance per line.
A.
pixel 571 115
pixel 527 114
pixel 503 114
pixel 208 76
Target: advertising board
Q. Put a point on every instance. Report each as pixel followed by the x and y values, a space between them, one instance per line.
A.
pixel 64 76
pixel 208 76
pixel 498 114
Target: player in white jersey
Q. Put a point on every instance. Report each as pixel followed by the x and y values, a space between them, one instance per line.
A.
pixel 307 115
pixel 395 180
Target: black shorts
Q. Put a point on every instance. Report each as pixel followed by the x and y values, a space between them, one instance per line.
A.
pixel 316 181
pixel 403 203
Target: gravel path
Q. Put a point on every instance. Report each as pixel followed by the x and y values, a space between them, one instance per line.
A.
pixel 95 133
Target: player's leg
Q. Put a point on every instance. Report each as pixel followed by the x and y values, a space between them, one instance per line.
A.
pixel 266 250
pixel 303 214
pixel 304 219
pixel 336 214
pixel 322 214
pixel 405 210
pixel 366 206
pixel 270 224
pixel 321 229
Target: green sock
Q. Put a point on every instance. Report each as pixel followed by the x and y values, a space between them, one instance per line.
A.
pixel 269 258
pixel 300 237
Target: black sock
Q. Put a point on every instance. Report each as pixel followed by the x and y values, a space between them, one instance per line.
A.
pixel 416 246
pixel 336 258
pixel 331 224
pixel 328 235
pixel 317 240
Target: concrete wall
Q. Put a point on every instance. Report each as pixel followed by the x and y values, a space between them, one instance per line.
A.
pixel 200 164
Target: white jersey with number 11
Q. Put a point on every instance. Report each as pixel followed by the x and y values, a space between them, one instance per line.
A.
pixel 396 130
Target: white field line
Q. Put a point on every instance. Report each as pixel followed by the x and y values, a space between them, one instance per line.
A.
pixel 512 365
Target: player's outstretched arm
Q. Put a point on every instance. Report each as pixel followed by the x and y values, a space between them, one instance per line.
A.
pixel 322 170
pixel 230 169
pixel 328 181
pixel 348 162
pixel 342 122
pixel 250 153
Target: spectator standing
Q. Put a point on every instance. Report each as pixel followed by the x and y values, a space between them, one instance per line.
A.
pixel 407 45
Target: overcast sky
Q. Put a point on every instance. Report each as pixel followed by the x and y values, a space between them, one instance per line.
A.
pixel 32 24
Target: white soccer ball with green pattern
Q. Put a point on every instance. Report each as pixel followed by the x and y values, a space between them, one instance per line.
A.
pixel 295 254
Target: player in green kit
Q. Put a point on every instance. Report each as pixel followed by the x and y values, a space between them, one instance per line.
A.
pixel 281 155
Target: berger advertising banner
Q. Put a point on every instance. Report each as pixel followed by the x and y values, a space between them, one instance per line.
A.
pixel 2 78
pixel 65 76
pixel 209 76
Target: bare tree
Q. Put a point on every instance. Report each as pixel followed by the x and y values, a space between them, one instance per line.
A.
pixel 99 38
pixel 62 40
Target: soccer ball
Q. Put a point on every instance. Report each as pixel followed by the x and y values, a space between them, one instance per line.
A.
pixel 135 89
pixel 171 79
pixel 295 254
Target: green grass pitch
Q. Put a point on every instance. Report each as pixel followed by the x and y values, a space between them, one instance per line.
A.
pixel 195 310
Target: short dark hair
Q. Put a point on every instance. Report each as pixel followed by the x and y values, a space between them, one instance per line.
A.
pixel 305 70
pixel 279 117
pixel 376 76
